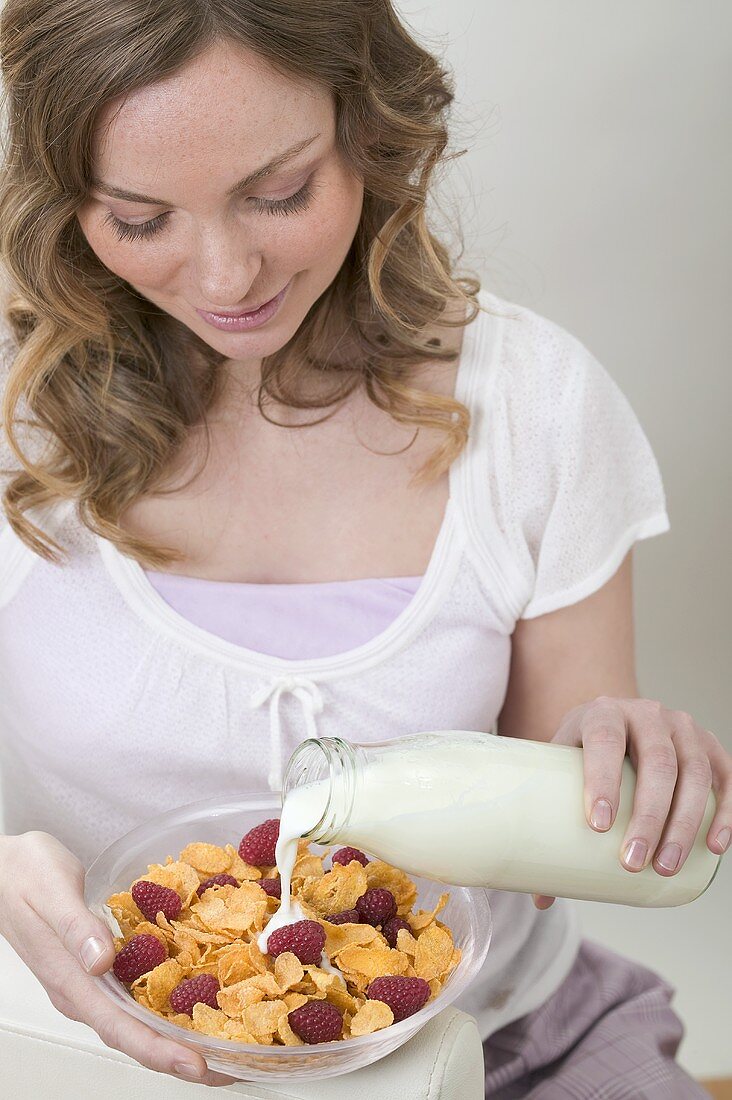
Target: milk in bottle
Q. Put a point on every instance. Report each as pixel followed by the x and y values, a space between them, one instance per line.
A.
pixel 478 809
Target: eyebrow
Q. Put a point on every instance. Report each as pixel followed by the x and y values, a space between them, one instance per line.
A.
pixel 238 188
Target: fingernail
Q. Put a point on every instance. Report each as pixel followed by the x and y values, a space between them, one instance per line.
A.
pixel 91 951
pixel 635 854
pixel 188 1071
pixel 602 811
pixel 669 857
pixel 723 838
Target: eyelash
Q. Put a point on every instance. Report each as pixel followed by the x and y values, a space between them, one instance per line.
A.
pixel 291 205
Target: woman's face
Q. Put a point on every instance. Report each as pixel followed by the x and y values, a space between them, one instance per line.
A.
pixel 186 141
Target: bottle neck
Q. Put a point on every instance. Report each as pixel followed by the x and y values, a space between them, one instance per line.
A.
pixel 332 762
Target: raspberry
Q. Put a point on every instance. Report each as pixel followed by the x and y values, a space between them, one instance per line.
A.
pixel 271 886
pixel 258 845
pixel 140 954
pixel 348 916
pixel 345 855
pixel 305 938
pixel 151 898
pixel 190 991
pixel 390 928
pixel 316 1022
pixel 404 996
pixel 217 880
pixel 376 905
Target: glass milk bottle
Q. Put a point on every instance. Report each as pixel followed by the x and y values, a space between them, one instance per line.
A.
pixel 479 809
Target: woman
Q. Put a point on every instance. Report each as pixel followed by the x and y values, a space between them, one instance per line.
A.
pixel 372 510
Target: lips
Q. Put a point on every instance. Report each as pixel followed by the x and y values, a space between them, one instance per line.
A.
pixel 240 312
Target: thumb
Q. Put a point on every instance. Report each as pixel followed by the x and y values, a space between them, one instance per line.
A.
pixel 83 934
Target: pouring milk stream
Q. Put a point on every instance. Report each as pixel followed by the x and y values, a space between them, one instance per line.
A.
pixel 472 809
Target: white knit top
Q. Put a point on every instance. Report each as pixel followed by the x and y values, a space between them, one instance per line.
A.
pixel 113 707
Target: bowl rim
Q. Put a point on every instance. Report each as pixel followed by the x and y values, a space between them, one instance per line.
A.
pixel 98 871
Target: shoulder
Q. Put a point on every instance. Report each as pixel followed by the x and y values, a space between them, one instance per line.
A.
pixel 551 405
pixel 541 367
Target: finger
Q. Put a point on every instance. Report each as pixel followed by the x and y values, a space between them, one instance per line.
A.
pixel 76 995
pixel 689 802
pixel 720 830
pixel 656 774
pixel 604 737
pixel 543 901
pixel 123 1032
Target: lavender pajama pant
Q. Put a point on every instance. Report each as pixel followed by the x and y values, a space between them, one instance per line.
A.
pixel 607 1033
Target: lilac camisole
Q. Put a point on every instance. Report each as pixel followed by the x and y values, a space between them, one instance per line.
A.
pixel 293 621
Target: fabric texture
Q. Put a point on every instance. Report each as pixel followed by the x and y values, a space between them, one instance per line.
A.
pixel 114 707
pixel 608 1033
pixel 294 621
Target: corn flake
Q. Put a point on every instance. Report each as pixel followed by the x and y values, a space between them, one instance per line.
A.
pixel 161 981
pixel 262 1019
pixel 424 917
pixel 209 859
pixel 372 1016
pixel 288 970
pixel 336 890
pixel 433 955
pixel 372 962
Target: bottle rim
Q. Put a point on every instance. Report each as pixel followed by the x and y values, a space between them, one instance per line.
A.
pixel 318 759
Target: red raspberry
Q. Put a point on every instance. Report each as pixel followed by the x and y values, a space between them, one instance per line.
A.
pixel 190 991
pixel 258 845
pixel 390 928
pixel 376 906
pixel 140 954
pixel 404 996
pixel 271 886
pixel 348 916
pixel 305 938
pixel 316 1022
pixel 345 855
pixel 151 898
pixel 217 880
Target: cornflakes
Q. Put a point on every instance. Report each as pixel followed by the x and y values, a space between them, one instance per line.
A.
pixel 216 933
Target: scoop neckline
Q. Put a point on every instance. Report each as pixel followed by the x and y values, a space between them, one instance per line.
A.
pixel 279 584
pixel 141 596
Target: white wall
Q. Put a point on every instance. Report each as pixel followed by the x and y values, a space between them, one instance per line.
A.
pixel 596 191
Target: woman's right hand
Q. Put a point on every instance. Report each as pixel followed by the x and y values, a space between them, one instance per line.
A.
pixel 44 918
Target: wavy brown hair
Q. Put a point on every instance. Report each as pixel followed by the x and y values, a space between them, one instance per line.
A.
pixel 115 383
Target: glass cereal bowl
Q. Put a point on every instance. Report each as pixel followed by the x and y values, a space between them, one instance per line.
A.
pixel 467 914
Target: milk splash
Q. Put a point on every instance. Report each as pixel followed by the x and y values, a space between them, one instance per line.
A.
pixel 301 812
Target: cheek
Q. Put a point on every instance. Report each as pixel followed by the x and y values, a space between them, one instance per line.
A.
pixel 136 264
pixel 333 225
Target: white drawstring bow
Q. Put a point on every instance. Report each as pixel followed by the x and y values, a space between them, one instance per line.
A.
pixel 309 695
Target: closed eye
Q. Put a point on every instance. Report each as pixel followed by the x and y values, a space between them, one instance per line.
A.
pixel 144 230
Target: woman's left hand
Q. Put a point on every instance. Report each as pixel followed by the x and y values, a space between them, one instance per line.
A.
pixel 676 761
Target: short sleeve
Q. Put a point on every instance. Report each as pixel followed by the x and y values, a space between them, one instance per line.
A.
pixel 574 480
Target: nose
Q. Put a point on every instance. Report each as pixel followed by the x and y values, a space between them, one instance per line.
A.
pixel 225 269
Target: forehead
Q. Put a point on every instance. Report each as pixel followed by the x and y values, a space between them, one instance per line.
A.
pixel 227 107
